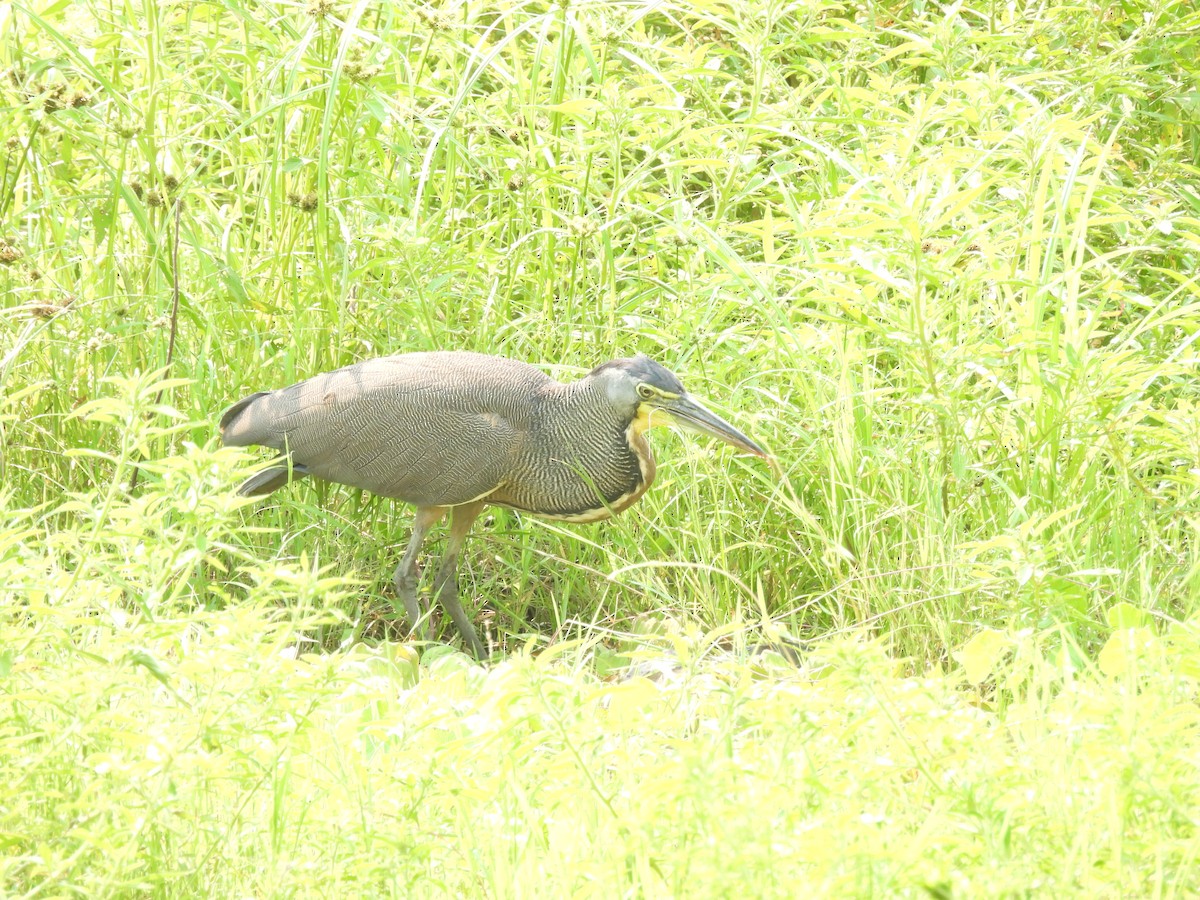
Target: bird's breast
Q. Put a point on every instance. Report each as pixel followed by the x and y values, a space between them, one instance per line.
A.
pixel 583 474
pixel 636 485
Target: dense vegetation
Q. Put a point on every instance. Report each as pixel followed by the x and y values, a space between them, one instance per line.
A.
pixel 941 259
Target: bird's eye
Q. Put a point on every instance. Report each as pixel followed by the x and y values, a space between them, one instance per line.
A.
pixel 645 391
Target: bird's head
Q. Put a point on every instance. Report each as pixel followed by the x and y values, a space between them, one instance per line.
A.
pixel 652 395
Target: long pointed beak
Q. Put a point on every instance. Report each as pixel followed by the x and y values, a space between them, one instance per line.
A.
pixel 694 415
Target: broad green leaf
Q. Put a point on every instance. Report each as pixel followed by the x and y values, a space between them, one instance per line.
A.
pixel 1125 615
pixel 1124 649
pixel 980 654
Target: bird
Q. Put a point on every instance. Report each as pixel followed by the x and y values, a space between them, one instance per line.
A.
pixel 452 432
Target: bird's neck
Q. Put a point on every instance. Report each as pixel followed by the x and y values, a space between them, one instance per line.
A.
pixel 586 401
pixel 587 407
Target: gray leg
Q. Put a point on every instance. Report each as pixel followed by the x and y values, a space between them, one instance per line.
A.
pixel 406 577
pixel 445 586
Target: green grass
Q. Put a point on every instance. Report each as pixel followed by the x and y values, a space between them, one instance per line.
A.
pixel 941 260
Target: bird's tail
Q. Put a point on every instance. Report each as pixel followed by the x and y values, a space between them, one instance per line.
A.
pixel 281 471
pixel 241 426
pixel 231 430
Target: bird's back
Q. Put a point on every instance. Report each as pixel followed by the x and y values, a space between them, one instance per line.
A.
pixel 432 429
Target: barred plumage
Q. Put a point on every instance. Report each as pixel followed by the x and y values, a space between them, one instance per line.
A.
pixel 458 431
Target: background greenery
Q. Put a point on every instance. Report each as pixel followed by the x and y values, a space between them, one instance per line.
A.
pixel 941 259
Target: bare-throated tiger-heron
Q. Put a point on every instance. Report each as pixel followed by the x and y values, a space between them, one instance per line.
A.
pixel 455 432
